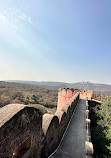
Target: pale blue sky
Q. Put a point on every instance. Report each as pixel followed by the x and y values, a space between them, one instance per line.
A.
pixel 55 40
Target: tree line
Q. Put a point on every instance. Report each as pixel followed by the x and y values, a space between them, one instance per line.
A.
pixel 100 116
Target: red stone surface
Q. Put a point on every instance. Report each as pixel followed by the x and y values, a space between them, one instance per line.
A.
pixel 86 93
pixel 64 95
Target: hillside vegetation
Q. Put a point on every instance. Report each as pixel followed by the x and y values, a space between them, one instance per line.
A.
pixel 41 98
pixel 101 128
pixel 78 85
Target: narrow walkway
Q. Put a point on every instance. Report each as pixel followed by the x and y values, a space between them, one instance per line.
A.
pixel 73 144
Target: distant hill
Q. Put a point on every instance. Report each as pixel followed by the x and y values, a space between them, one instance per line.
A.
pixel 78 85
pixel 39 97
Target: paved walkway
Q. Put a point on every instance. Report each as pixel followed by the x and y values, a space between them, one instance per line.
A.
pixel 73 144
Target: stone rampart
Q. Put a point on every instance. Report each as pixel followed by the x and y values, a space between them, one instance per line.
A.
pixel 24 131
pixel 88 143
pixel 50 126
pixel 64 95
pixel 62 122
pixel 54 125
pixel 86 93
pixel 20 131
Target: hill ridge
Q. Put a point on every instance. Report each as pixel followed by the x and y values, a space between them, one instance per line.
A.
pixel 78 85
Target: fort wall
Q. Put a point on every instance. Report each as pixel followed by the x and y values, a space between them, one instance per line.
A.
pixel 64 95
pixel 88 143
pixel 86 93
pixel 20 131
pixel 54 125
pixel 24 130
pixel 62 122
pixel 50 126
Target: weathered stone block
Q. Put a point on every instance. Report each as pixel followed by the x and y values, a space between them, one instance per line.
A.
pixel 50 126
pixel 67 110
pixel 20 131
pixel 62 122
pixel 89 148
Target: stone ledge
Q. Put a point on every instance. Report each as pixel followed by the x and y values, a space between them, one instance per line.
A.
pixel 89 148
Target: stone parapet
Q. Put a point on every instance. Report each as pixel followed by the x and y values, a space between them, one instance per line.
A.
pixel 53 130
pixel 20 131
pixel 88 143
pixel 25 133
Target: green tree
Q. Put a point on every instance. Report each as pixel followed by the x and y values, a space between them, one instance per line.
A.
pixel 35 99
pixel 101 134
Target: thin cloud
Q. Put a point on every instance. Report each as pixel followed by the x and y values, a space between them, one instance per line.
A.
pixel 24 17
pixel 13 18
pixel 13 26
pixel 21 17
pixel 3 18
pixel 29 19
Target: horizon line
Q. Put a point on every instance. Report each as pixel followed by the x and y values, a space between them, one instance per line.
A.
pixel 59 81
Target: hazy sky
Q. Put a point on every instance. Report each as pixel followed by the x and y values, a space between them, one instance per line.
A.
pixel 55 40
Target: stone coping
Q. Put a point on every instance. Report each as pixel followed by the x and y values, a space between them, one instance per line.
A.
pixel 8 111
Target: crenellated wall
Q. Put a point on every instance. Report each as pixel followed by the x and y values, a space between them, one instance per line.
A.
pixel 24 131
pixel 50 126
pixel 62 122
pixel 54 125
pixel 64 95
pixel 88 143
pixel 86 93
